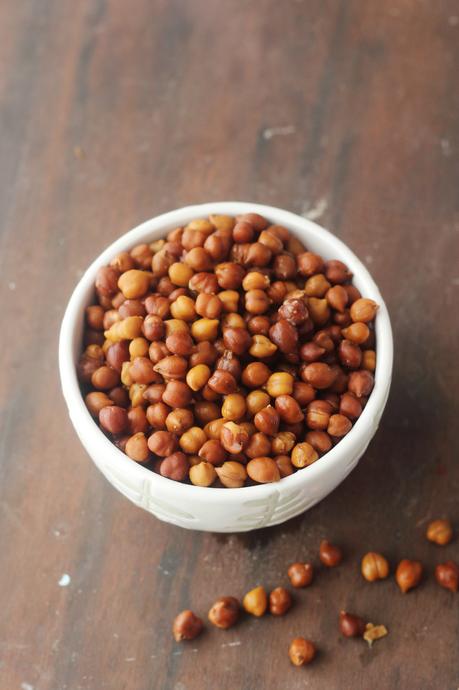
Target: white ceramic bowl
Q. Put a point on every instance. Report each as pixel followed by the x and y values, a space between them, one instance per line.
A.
pixel 212 509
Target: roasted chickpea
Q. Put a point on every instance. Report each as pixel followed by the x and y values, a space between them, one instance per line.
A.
pixel 137 448
pixel 202 474
pixel 198 376
pixel 256 401
pixel 179 420
pixel 212 451
pixel 180 274
pixel 259 445
pixel 234 407
pixel 303 454
pixel 192 440
pixel 205 329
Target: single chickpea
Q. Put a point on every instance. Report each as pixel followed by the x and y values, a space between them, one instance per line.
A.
pixel 183 308
pixel 256 401
pixel 205 329
pixel 262 346
pixel 303 454
pixel 254 280
pixel 202 474
pixel 256 301
pixel 263 470
pixel 198 376
pixel 229 299
pixel 208 306
pixel 138 348
pixel 134 283
pixel 137 447
pixel 256 601
pixel 280 383
pixel 192 440
pixel 180 274
pixel 283 443
pixel 232 474
pixel 234 407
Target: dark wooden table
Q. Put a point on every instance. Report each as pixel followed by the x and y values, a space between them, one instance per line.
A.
pixel 113 111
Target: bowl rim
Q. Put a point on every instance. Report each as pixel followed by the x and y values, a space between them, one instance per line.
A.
pixel 87 427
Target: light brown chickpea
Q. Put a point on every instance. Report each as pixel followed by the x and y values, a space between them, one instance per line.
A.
pixel 369 360
pixel 363 310
pixel 263 470
pixel 232 474
pixel 96 400
pixel 234 407
pixel 134 283
pixel 374 567
pixel 205 329
pixel 180 274
pixel 105 378
pixel 303 454
pixel 357 333
pixel 280 383
pixel 214 428
pixel 262 346
pixel 137 447
pixel 283 443
pixel 157 414
pixel 202 474
pixel 192 440
pixel 198 376
pixel 179 420
pixel 183 308
pixel 162 443
pixel 229 299
pixel 254 280
pixel 138 348
pixel 256 401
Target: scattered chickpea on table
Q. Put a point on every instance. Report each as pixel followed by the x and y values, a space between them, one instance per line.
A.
pixel 227 354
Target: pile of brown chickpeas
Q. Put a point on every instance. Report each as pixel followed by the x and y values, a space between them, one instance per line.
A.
pixel 227 610
pixel 227 354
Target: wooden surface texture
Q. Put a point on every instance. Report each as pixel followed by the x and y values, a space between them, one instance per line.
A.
pixel 113 111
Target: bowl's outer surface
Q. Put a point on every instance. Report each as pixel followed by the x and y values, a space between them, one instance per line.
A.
pixel 211 509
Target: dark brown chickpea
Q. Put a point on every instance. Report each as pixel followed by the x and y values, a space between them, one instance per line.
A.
pixel 288 409
pixel 294 310
pixel 329 554
pixel 105 378
pixel 284 465
pixel 142 370
pixel 267 420
pixel 107 281
pixel 208 306
pixel 172 367
pixel 123 262
pixel 142 255
pixel 311 352
pixel 319 375
pixel 229 362
pixel 319 440
pixel 186 626
pixel 95 317
pixel 212 451
pixel 96 400
pixel 175 466
pixel 237 340
pixel 284 267
pixel 222 382
pixel 229 275
pixel 205 353
pixel 217 246
pixel 154 393
pixel 337 272
pixel 257 221
pixel 259 325
pixel 113 419
pixel 351 625
pixel 225 612
pixel 284 336
pixel 277 292
pixel 243 232
pixel 117 354
pixel 350 406
pixel 303 393
pixel 350 354
pixel 136 420
pixel 259 444
pixel 280 601
pixel 131 307
pixel 177 394
pixel 361 383
pixel 204 282
pixel 301 574
pixel 309 264
pixel 271 241
pixel 255 375
pixel 337 297
pixel 162 443
pixel 339 425
pixel 157 304
pixel 258 254
pixel 153 327
pixel 180 343
pixel 157 414
pixel 318 414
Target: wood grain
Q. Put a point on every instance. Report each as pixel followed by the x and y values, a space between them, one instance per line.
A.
pixel 111 112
